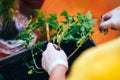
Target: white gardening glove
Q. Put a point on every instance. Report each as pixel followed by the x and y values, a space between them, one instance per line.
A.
pixel 111 19
pixel 52 57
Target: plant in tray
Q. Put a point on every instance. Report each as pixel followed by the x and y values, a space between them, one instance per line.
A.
pixel 76 28
pixel 79 28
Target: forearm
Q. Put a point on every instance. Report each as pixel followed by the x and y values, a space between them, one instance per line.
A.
pixel 54 62
pixel 58 73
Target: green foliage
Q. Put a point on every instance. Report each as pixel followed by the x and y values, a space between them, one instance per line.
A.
pixel 26 36
pixel 88 15
pixel 38 45
pixel 64 13
pixel 52 21
pixel 6 8
pixel 36 23
pixel 37 11
pixel 6 11
pixel 78 29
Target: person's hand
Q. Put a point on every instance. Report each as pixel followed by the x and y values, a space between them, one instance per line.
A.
pixel 52 57
pixel 110 19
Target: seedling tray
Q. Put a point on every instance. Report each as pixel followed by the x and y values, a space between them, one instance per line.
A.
pixel 14 67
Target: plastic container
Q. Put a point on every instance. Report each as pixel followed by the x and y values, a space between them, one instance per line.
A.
pixel 14 67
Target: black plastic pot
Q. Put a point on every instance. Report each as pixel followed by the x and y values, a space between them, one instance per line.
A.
pixel 14 67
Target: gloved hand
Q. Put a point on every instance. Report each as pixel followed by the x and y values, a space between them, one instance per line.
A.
pixel 52 57
pixel 110 19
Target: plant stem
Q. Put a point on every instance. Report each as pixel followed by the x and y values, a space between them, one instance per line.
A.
pixel 74 51
pixel 40 72
pixel 34 61
pixel 77 48
pixel 48 33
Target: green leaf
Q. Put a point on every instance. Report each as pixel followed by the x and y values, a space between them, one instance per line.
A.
pixel 64 22
pixel 70 19
pixel 52 21
pixel 39 44
pixel 37 11
pixel 88 15
pixel 93 21
pixel 81 40
pixel 82 29
pixel 69 37
pixel 64 13
pixel 80 17
pixel 30 71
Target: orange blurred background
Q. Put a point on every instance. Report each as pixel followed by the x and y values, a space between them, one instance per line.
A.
pixel 97 8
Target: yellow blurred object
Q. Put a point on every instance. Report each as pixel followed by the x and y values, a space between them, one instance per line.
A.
pixel 98 63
